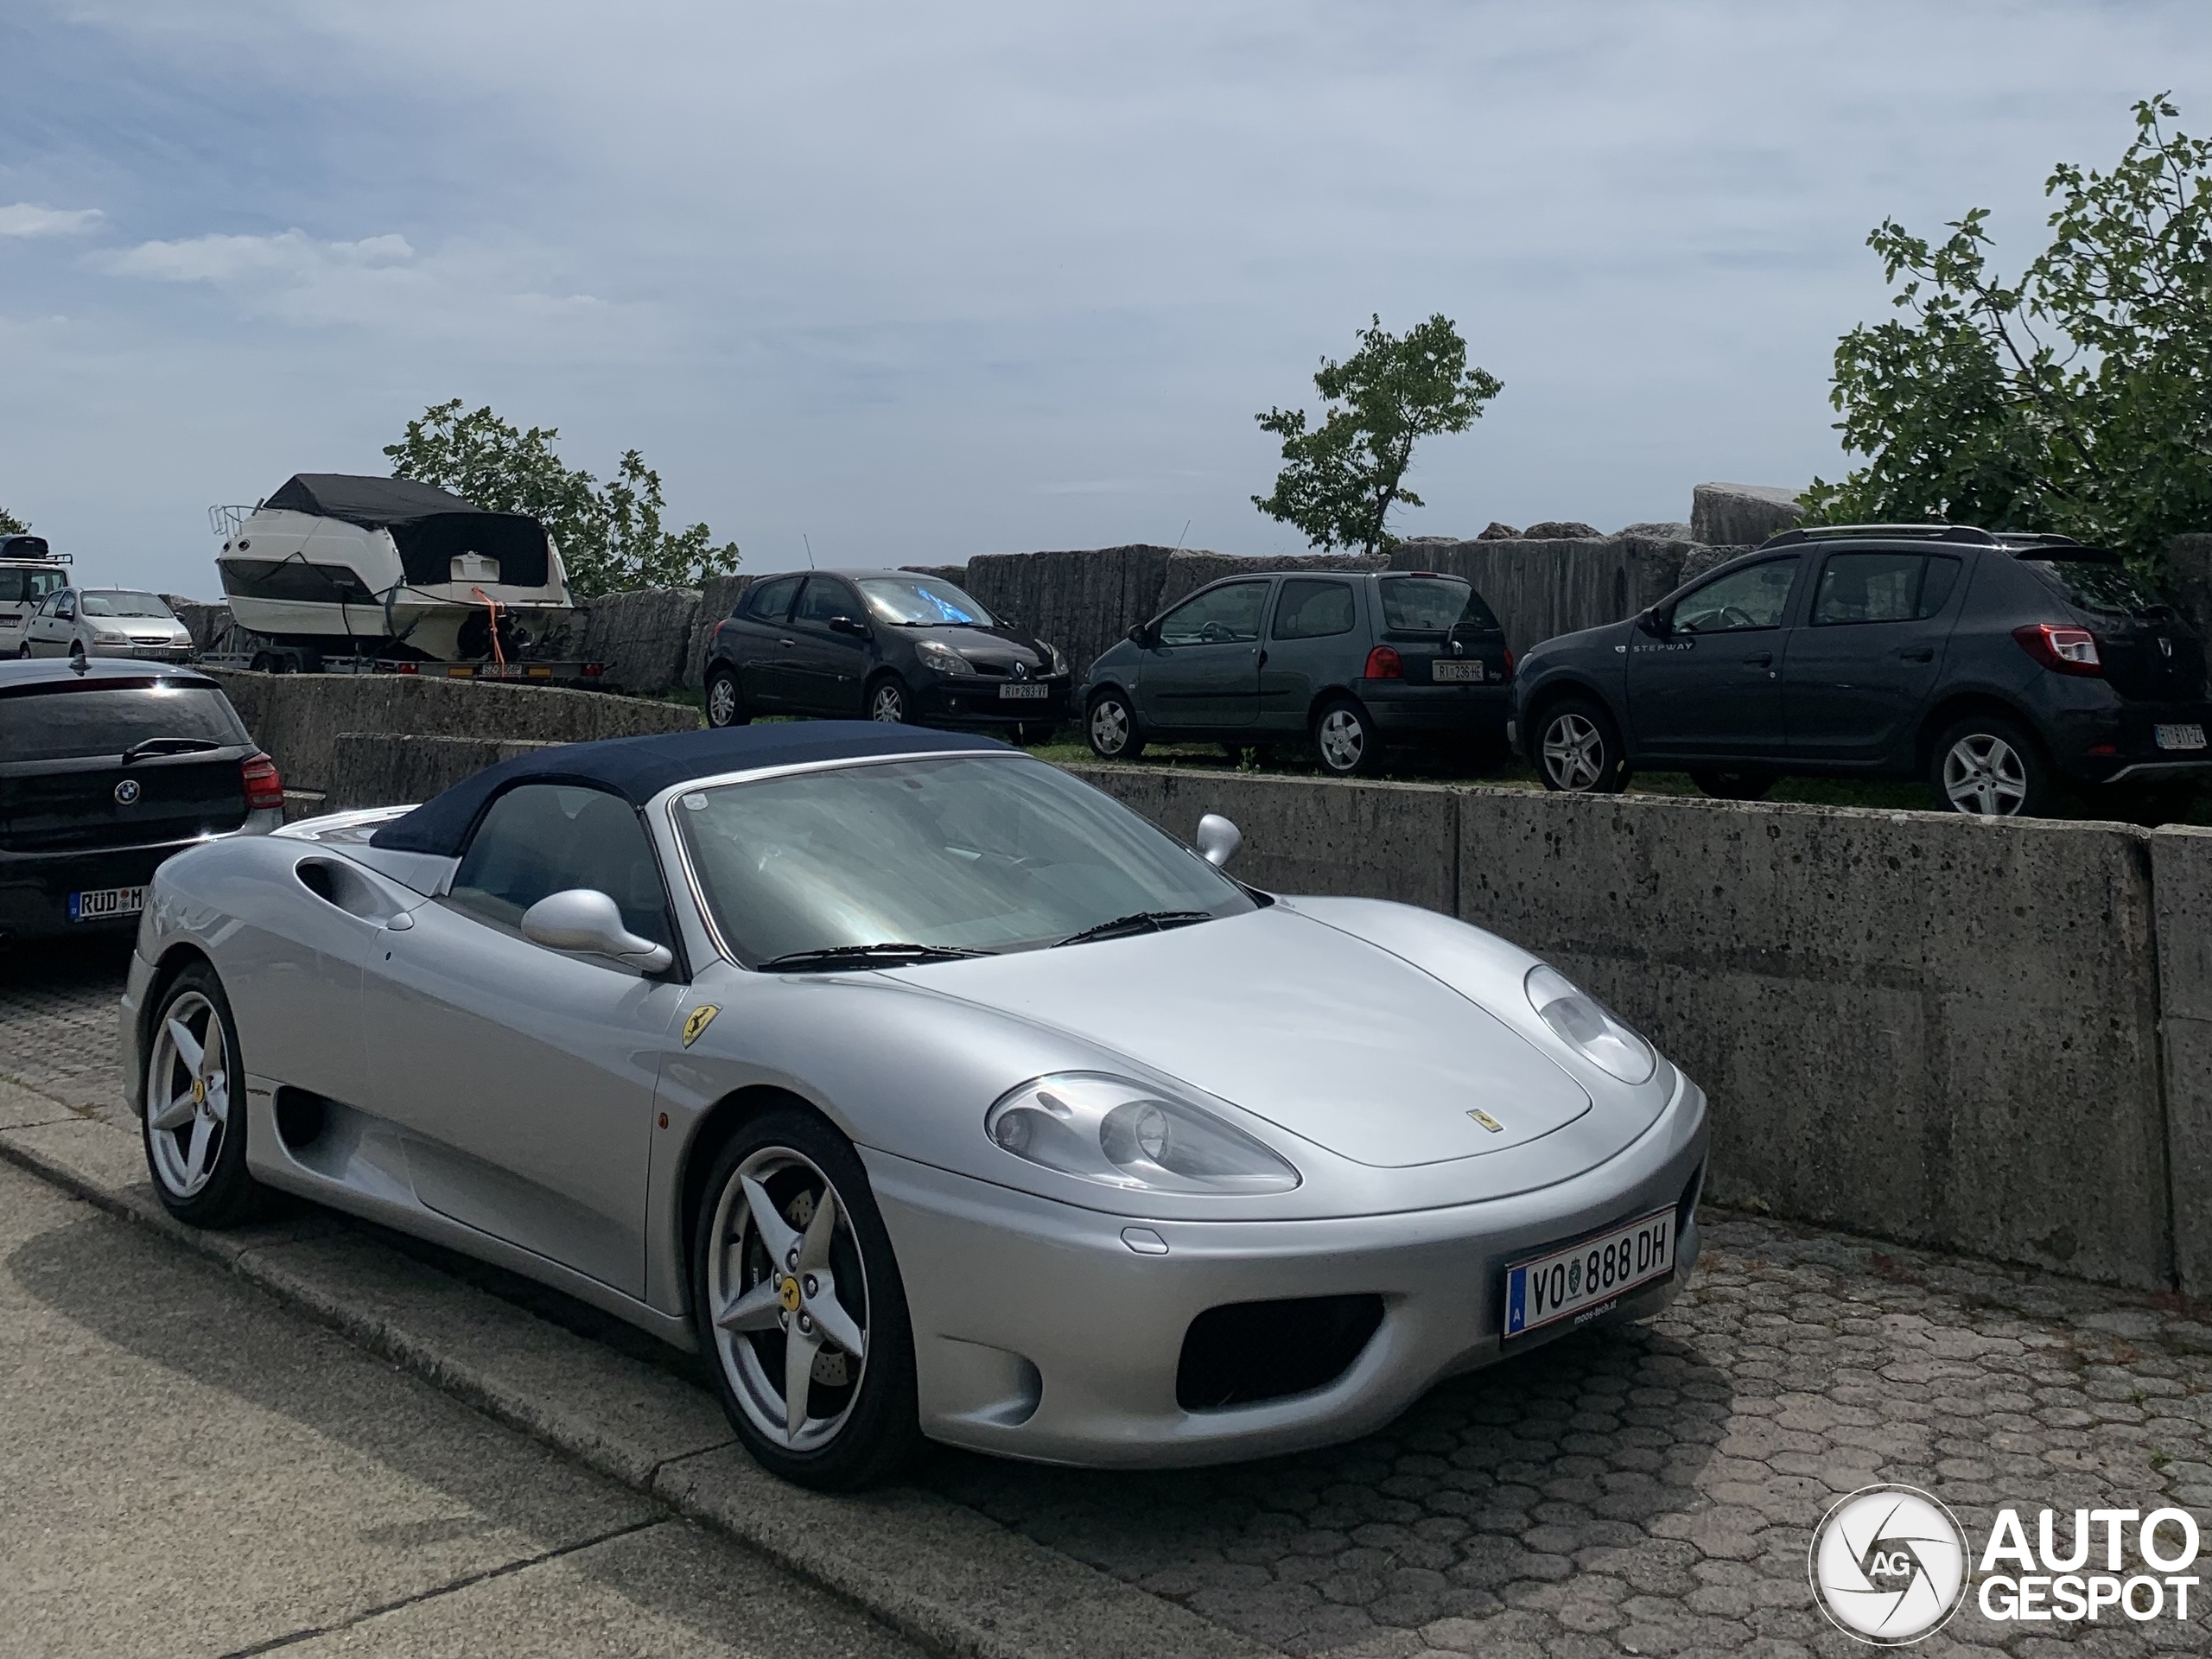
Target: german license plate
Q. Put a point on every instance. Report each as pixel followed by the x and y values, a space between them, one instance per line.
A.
pixel 1586 1280
pixel 1030 691
pixel 1445 672
pixel 104 904
pixel 2178 737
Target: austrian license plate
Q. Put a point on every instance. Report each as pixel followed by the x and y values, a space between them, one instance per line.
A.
pixel 104 904
pixel 2178 737
pixel 1444 673
pixel 1586 1279
pixel 1029 691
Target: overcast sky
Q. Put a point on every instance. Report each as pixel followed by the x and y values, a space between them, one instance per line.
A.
pixel 920 281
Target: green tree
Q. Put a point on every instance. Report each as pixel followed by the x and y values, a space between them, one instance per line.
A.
pixel 1341 479
pixel 2077 398
pixel 11 525
pixel 611 535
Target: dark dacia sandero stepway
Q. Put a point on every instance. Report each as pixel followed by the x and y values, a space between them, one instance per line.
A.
pixel 2002 669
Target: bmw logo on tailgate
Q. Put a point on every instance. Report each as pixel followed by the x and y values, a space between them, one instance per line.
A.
pixel 126 792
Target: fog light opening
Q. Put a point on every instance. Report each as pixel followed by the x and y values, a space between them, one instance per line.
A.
pixel 1246 1352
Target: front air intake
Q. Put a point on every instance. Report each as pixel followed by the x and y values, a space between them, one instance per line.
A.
pixel 1245 1352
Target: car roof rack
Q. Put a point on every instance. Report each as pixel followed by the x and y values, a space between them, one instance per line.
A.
pixel 1928 532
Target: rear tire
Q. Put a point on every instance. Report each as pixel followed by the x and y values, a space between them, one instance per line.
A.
pixel 1986 766
pixel 1110 725
pixel 725 704
pixel 835 1288
pixel 1578 750
pixel 1345 742
pixel 1734 786
pixel 193 1117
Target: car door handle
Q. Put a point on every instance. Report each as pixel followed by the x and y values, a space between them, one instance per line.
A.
pixel 1918 653
pixel 787 644
pixel 1761 659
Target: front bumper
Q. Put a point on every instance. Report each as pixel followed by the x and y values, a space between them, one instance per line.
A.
pixel 1406 713
pixel 1040 1333
pixel 176 653
pixel 35 887
pixel 975 700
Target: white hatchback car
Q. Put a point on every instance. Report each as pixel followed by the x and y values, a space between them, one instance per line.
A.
pixel 106 622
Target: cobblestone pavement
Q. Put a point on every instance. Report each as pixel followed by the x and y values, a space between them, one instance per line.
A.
pixel 1649 1491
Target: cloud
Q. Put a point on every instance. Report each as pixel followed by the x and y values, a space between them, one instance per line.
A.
pixel 291 257
pixel 28 218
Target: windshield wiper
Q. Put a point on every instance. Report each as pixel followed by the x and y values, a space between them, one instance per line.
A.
pixel 866 956
pixel 1139 921
pixel 168 745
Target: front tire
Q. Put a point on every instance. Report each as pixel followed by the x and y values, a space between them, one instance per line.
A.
pixel 798 1304
pixel 1986 766
pixel 1578 752
pixel 1110 725
pixel 194 1121
pixel 1345 742
pixel 887 701
pixel 725 706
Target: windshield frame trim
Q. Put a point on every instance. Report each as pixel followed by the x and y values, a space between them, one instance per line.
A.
pixel 663 806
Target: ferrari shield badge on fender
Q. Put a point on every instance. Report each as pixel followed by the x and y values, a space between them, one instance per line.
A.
pixel 697 1020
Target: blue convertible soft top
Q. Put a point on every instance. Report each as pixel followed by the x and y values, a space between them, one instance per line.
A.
pixel 639 768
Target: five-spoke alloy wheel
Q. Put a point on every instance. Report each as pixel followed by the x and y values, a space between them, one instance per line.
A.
pixel 800 1308
pixel 194 1094
pixel 1988 767
pixel 1579 751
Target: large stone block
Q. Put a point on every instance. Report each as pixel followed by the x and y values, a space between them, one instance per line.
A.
pixel 1736 515
pixel 1922 1027
pixel 717 599
pixel 1081 600
pixel 2180 874
pixel 1192 568
pixel 298 718
pixel 642 637
pixel 1540 589
pixel 1371 840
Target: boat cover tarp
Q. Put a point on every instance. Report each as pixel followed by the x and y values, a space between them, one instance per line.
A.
pixel 430 525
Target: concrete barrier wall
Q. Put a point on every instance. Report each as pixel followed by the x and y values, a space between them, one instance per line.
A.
pixel 1916 1026
pixel 299 718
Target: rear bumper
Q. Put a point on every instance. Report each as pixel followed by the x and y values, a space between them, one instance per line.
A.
pixel 35 887
pixel 1403 712
pixel 2113 741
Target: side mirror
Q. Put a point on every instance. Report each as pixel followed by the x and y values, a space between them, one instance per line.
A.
pixel 1218 839
pixel 1141 634
pixel 583 918
pixel 1655 622
pixel 846 625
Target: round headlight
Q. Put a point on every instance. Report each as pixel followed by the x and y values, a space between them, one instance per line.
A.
pixel 1120 1133
pixel 1587 1027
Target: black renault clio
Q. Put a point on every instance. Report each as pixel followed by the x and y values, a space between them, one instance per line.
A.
pixel 896 645
pixel 106 768
pixel 2001 669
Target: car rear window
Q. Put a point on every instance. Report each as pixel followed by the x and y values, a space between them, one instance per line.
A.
pixel 65 721
pixel 2102 585
pixel 1431 604
pixel 21 587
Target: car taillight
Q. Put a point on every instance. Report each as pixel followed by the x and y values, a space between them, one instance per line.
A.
pixel 264 787
pixel 1384 663
pixel 2063 650
pixel 1509 665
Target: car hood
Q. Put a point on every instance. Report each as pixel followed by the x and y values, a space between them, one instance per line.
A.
pixel 1001 647
pixel 1320 1034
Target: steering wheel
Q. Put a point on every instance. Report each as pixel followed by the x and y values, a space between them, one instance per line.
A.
pixel 1735 616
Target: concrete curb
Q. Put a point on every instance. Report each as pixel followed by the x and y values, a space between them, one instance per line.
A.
pixel 936 1571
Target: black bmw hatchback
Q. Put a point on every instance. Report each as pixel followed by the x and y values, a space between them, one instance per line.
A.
pixel 106 768
pixel 2002 669
pixel 895 645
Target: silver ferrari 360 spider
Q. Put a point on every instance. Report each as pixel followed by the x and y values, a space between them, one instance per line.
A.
pixel 927 1089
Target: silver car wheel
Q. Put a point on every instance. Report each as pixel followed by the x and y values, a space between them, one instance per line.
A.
pixel 1110 726
pixel 888 704
pixel 721 700
pixel 1574 753
pixel 788 1293
pixel 188 1095
pixel 1342 739
pixel 1983 774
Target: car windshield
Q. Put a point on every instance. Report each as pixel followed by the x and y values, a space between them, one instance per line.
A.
pixel 22 587
pixel 970 853
pixel 70 721
pixel 124 602
pixel 1431 604
pixel 921 603
pixel 2105 586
